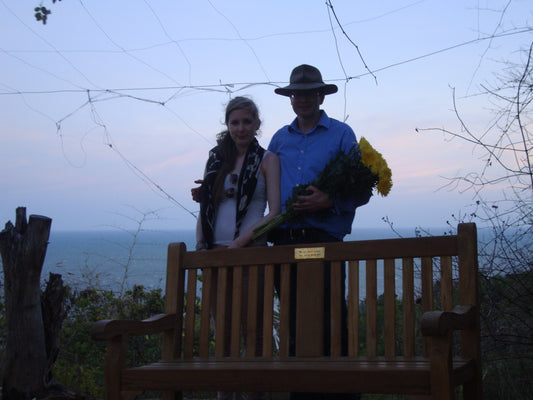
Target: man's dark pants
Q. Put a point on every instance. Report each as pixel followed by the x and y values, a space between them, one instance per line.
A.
pixel 309 236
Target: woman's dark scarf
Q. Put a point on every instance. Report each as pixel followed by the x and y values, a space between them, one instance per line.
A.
pixel 245 188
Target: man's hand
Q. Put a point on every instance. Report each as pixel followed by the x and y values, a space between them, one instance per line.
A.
pixel 195 192
pixel 316 201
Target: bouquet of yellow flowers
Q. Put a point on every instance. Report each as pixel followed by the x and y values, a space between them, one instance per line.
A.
pixel 347 175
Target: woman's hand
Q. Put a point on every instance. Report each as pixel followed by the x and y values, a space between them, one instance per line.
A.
pixel 238 243
pixel 195 192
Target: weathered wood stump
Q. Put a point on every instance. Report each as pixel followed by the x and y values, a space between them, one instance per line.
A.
pixel 23 248
pixel 54 313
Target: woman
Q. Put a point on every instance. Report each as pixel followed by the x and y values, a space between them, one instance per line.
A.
pixel 240 178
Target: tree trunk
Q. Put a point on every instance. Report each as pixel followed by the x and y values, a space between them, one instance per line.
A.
pixel 23 248
pixel 54 313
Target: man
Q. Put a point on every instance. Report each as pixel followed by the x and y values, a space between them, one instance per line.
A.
pixel 304 148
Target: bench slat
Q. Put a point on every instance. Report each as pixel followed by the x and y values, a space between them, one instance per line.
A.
pixel 408 303
pixel 310 309
pixel 390 308
pixel 362 250
pixel 427 292
pixel 446 283
pixel 252 308
pixel 336 298
pixel 190 314
pixel 284 314
pixel 205 316
pixel 220 315
pixel 268 311
pixel 371 308
pixel 236 311
pixel 353 308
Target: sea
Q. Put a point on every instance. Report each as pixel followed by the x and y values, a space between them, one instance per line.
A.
pixel 118 259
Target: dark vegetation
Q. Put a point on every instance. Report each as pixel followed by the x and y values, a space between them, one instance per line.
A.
pixel 502 188
pixel 79 365
pixel 42 13
pixel 506 321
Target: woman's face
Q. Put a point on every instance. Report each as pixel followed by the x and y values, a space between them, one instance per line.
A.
pixel 242 126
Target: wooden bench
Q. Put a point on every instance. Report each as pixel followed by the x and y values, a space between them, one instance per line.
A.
pixel 430 290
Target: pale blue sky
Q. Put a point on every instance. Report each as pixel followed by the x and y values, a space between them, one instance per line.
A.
pixel 151 78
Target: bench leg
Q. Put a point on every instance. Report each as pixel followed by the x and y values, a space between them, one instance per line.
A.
pixel 115 362
pixel 441 368
pixel 473 390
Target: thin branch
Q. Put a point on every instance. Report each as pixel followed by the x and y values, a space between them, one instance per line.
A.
pixel 519 112
pixel 328 2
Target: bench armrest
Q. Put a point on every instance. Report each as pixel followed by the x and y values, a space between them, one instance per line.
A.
pixel 109 328
pixel 441 323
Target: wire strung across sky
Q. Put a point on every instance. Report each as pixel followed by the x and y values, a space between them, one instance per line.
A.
pixel 96 94
pixel 224 87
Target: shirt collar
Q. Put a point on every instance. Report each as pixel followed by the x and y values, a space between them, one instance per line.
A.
pixel 324 122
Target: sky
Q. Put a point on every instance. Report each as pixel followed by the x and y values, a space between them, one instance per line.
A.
pixel 108 111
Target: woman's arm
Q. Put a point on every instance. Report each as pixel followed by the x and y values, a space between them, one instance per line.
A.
pixel 270 168
pixel 200 242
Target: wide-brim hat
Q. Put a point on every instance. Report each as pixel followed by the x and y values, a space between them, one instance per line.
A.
pixel 306 77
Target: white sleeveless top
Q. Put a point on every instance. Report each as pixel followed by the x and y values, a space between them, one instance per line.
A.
pixel 226 213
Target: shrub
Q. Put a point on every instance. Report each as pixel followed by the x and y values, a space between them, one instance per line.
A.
pixel 81 359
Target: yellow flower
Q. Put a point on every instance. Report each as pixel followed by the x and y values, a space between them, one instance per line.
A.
pixel 385 182
pixel 367 154
pixel 377 164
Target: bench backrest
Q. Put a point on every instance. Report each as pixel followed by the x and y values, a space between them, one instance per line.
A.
pixel 418 274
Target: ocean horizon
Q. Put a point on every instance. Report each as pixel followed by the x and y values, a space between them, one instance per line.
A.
pixel 118 259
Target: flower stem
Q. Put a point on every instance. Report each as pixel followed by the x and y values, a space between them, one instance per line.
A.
pixel 272 224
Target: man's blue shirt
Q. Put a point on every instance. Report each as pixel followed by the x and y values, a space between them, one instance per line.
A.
pixel 303 156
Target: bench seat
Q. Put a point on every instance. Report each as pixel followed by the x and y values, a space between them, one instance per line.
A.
pixel 322 374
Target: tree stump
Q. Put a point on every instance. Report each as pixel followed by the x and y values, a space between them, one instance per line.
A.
pixel 54 313
pixel 23 248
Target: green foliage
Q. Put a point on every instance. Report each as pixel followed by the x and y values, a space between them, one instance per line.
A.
pixel 81 360
pixel 506 326
pixel 380 326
